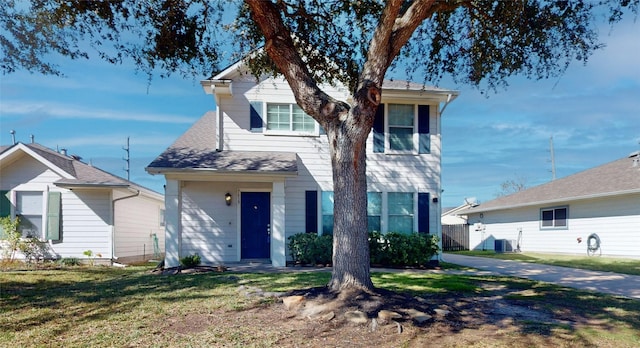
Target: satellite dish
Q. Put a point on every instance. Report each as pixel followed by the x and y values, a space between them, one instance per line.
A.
pixel 471 201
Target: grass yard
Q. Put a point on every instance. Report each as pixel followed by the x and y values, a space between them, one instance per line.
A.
pixel 606 264
pixel 131 307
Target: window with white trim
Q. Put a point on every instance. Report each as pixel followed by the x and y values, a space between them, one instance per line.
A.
pixel 554 218
pixel 401 128
pixel 29 205
pixel 374 211
pixel 289 118
pixel 401 212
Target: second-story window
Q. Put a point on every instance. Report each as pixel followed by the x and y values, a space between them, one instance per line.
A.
pixel 401 124
pixel 285 117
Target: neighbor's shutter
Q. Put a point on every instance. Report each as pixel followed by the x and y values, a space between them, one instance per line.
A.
pixel 5 208
pixel 5 204
pixel 423 212
pixel 311 211
pixel 256 123
pixel 53 216
pixel 378 130
pixel 424 143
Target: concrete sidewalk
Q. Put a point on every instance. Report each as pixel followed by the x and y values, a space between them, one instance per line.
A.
pixel 605 282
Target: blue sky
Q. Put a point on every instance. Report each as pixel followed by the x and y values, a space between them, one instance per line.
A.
pixel 592 113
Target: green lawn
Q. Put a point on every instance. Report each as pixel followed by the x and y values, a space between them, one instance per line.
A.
pixel 130 307
pixel 595 263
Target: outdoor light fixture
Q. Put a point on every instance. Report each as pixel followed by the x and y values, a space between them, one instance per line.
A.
pixel 227 198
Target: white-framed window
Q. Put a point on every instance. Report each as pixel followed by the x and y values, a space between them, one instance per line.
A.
pixel 287 118
pixel 554 218
pixel 162 218
pixel 374 211
pixel 401 129
pixel 401 212
pixel 29 207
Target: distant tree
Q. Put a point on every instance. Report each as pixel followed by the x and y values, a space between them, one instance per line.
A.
pixel 480 42
pixel 510 186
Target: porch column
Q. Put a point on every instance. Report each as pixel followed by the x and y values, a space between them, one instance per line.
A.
pixel 173 231
pixel 278 240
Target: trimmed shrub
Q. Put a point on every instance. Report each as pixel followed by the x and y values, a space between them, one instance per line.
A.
pixel 190 261
pixel 392 249
pixel 310 248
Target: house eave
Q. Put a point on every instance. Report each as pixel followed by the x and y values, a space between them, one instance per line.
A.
pixel 213 172
pixel 564 200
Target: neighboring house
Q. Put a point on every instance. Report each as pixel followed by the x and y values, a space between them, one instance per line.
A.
pixel 244 178
pixel 453 216
pixel 559 216
pixel 76 207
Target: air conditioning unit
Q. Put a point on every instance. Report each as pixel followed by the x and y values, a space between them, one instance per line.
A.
pixel 504 245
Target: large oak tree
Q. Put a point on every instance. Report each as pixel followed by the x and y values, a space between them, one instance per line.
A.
pixel 311 42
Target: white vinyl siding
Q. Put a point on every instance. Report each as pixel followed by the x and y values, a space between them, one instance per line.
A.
pixel 419 173
pixel 614 219
pixel 86 220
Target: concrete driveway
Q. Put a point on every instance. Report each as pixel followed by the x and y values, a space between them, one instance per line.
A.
pixel 605 282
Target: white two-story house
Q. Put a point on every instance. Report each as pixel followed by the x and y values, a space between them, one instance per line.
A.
pixel 244 178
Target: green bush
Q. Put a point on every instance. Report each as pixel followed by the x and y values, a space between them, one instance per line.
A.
pixel 69 261
pixel 190 261
pixel 310 248
pixel 392 249
pixel 377 246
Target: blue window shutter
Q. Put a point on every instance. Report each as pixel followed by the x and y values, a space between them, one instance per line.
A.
pixel 5 204
pixel 378 130
pixel 53 216
pixel 311 211
pixel 256 122
pixel 424 145
pixel 423 212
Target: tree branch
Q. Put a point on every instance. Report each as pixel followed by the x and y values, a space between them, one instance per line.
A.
pixel 280 47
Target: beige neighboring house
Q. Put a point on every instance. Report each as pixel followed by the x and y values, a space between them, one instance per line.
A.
pixel 74 207
pixel 245 178
pixel 599 206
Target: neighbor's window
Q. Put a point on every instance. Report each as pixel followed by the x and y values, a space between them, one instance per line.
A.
pixel 401 212
pixel 400 127
pixel 551 218
pixel 285 117
pixel 29 205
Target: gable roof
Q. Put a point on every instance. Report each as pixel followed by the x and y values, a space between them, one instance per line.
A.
pixel 195 150
pixel 74 172
pixel 390 88
pixel 614 178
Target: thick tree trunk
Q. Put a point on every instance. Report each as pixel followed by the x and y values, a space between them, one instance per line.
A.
pixel 350 236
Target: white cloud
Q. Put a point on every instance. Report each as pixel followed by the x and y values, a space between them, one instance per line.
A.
pixel 13 109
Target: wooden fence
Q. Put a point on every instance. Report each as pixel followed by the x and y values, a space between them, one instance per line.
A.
pixel 455 237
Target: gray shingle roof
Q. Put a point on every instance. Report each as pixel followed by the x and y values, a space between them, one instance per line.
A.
pixel 614 178
pixel 83 175
pixel 195 151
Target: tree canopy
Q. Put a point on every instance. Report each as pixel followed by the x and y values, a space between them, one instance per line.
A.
pixel 310 42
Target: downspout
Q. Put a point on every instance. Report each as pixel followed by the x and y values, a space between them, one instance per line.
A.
pixel 439 208
pixel 113 227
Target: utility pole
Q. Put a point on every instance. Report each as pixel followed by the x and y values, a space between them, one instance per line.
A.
pixel 127 159
pixel 553 160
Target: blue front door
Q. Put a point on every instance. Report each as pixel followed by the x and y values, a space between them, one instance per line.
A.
pixel 255 216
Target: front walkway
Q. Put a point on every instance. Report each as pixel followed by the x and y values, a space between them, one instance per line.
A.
pixel 605 282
